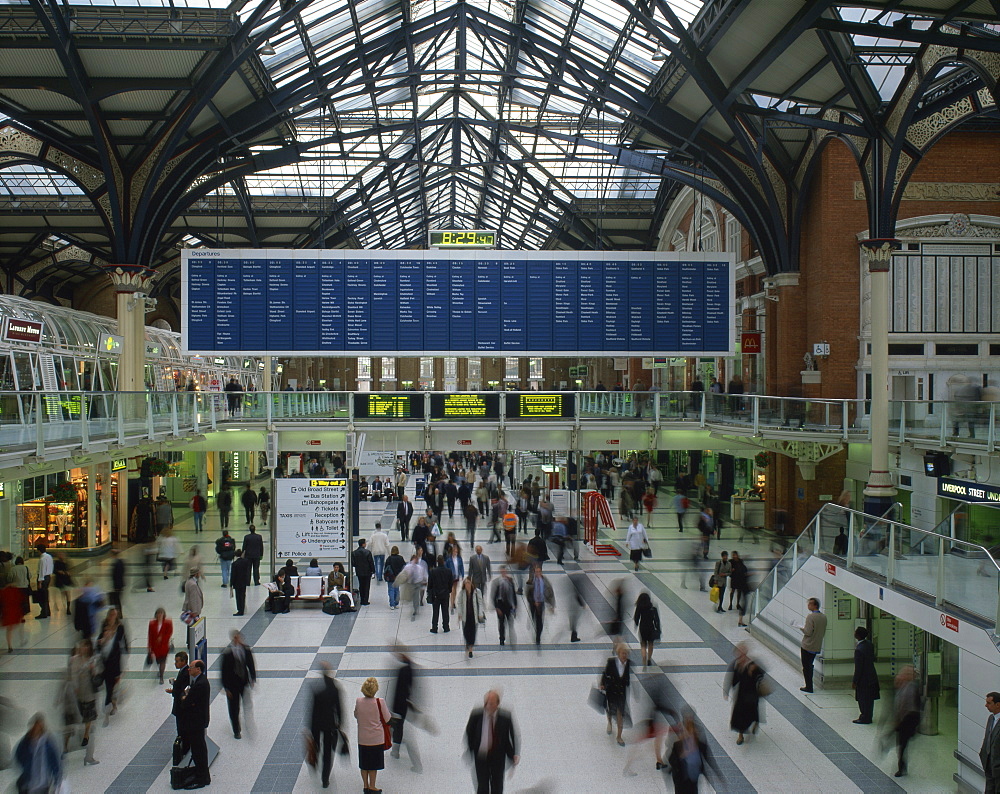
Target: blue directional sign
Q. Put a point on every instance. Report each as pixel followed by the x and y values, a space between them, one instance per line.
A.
pixel 399 303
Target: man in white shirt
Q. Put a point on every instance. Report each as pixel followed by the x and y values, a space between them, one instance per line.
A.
pixel 45 571
pixel 378 545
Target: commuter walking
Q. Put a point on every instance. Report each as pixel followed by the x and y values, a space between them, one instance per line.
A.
pixel 394 565
pixel 404 512
pixel 264 504
pixel 865 682
pixel 253 551
pixel 812 642
pixel 471 612
pixel 249 500
pixel 907 711
pixel 194 599
pixel 225 548
pixel 239 674
pixel 636 540
pixel 649 504
pixel 680 509
pixel 224 501
pixel 739 585
pixel 37 754
pixel 198 507
pixel 378 545
pixel 167 549
pixel 706 526
pixel 164 515
pixel 117 581
pixel 373 724
pixel 745 679
pixel 414 578
pixel 85 674
pixel 325 719
pixel 615 681
pixel 479 570
pixel 491 740
pixel 364 569
pixel 403 702
pixel 542 596
pixel 158 637
pixel 689 755
pixel 647 620
pixel 239 580
pixel 723 568
pixel 505 603
pixel 112 644
pixel 46 569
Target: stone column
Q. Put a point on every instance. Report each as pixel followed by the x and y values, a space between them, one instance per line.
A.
pixel 132 284
pixel 879 493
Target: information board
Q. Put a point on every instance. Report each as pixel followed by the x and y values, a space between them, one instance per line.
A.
pixel 385 405
pixel 398 303
pixel 465 406
pixel 310 519
pixel 554 405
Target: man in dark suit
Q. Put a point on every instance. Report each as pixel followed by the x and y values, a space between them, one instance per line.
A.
pixel 989 754
pixel 194 718
pixel 479 570
pixel 403 515
pixel 178 686
pixel 364 570
pixel 253 551
pixel 865 683
pixel 239 579
pixel 239 673
pixel 490 738
pixel 324 719
pixel 402 702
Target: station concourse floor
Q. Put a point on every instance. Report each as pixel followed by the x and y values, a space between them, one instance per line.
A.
pixel 807 742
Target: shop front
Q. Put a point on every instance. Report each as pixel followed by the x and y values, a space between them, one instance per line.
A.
pixel 66 511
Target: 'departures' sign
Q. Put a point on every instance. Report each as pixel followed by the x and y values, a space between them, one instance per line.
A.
pixel 968 491
pixel 310 519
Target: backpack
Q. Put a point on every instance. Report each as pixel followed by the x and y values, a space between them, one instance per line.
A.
pixel 388 574
pixel 656 623
pixel 685 503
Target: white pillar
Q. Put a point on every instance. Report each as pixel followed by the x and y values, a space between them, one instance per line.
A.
pixel 105 473
pixel 879 493
pixel 92 506
pixel 267 385
pixel 132 283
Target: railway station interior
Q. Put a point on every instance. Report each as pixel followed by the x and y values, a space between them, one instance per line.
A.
pixel 730 267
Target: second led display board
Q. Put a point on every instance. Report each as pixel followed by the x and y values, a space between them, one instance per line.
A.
pixel 401 303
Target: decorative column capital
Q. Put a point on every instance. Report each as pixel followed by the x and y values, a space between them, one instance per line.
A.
pixel 130 278
pixel 878 251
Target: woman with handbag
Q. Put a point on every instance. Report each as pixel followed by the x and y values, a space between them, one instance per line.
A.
pixel 746 677
pixel 636 540
pixel 374 737
pixel 647 619
pixel 471 612
pixel 161 629
pixel 615 682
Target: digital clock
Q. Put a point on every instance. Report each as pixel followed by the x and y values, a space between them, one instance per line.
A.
pixel 453 238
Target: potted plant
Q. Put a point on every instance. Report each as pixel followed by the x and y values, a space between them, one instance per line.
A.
pixel 63 492
pixel 156 467
pixel 761 459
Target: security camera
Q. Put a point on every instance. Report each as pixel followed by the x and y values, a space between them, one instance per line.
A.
pixel 769 283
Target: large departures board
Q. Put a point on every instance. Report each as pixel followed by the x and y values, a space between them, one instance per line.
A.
pixel 398 303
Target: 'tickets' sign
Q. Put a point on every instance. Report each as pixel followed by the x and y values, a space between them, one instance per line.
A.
pixel 15 330
pixel 750 341
pixel 968 491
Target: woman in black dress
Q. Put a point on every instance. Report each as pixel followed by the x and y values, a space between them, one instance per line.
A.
pixel 112 644
pixel 739 586
pixel 647 618
pixel 471 612
pixel 744 676
pixel 615 681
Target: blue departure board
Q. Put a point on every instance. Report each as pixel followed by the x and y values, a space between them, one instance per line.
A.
pixel 398 303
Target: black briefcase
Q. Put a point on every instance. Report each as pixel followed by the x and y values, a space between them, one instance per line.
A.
pixel 178 751
pixel 181 777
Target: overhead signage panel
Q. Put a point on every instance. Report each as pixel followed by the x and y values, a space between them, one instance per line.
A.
pixel 17 330
pixel 533 405
pixel 457 302
pixel 311 519
pixel 968 491
pixel 385 405
pixel 465 406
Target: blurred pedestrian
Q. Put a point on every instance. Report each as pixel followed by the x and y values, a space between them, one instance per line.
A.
pixel 85 676
pixel 542 596
pixel 85 609
pixel 117 581
pixel 647 620
pixel 865 681
pixel 403 702
pixel 167 549
pixel 239 674
pixel 649 503
pixel 161 629
pixel 373 719
pixel 491 740
pixel 721 577
pixel 657 725
pixel 738 583
pixel 746 679
pixel 907 710
pixel 324 719
pixel 614 626
pixel 615 681
pixel 689 755
pixel 163 512
pixel 37 755
pixel 112 645
pixel 61 578
pixel 11 611
pixel 471 612
pixel 505 603
pixel 706 526
pixel 194 599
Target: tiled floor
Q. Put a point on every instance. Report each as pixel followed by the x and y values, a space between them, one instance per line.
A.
pixel 805 742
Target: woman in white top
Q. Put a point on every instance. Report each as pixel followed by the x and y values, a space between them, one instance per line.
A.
pixel 167 550
pixel 636 539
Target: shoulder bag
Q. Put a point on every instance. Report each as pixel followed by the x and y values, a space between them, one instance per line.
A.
pixel 386 732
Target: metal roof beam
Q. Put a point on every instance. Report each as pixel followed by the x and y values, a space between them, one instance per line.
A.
pixel 961 41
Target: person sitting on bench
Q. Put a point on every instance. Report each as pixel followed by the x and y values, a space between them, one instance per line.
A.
pixel 280 597
pixel 336 584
